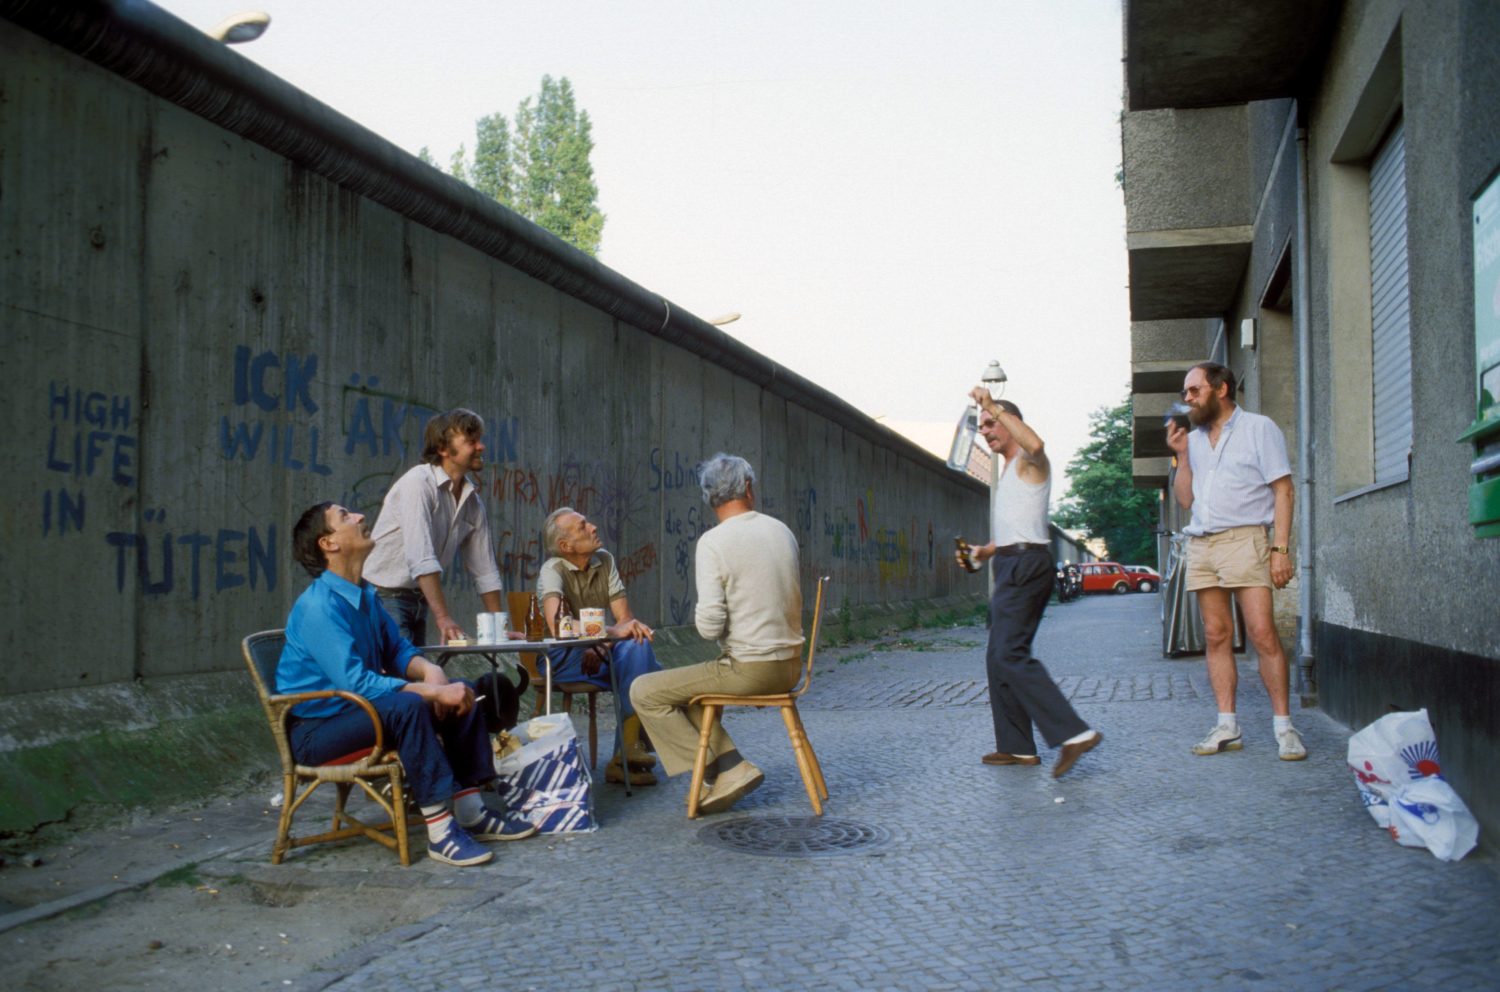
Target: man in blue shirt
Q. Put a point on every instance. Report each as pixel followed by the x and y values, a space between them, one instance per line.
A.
pixel 339 637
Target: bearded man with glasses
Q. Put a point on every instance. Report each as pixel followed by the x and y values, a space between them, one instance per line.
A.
pixel 1233 474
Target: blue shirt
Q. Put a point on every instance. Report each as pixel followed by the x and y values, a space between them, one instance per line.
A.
pixel 340 637
pixel 1232 480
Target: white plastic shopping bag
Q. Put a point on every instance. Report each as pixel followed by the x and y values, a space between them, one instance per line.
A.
pixel 1396 749
pixel 1428 813
pixel 547 780
pixel 1396 767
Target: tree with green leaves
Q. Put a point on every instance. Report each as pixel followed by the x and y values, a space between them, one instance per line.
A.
pixel 554 178
pixel 458 165
pixel 1102 501
pixel 493 173
pixel 542 171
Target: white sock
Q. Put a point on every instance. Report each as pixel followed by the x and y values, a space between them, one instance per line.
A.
pixel 467 806
pixel 1080 738
pixel 1230 721
pixel 1281 723
pixel 439 822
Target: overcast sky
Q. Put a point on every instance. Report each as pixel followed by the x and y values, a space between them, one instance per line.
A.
pixel 891 193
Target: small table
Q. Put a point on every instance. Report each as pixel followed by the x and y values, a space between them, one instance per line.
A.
pixel 496 653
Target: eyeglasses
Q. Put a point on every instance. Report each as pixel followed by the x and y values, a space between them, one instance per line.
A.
pixel 1191 391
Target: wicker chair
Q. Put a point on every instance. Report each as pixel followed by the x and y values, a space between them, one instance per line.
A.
pixel 369 768
pixel 712 705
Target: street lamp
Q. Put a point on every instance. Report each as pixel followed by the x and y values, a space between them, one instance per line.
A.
pixel 994 380
pixel 240 28
pixel 724 318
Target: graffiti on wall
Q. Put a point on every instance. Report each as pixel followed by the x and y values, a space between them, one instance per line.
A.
pixel 268 391
pixel 274 419
pixel 91 435
pixel 855 534
pixel 674 479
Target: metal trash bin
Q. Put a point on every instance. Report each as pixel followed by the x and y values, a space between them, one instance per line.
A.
pixel 1182 624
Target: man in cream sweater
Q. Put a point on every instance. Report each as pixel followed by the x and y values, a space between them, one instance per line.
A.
pixel 750 600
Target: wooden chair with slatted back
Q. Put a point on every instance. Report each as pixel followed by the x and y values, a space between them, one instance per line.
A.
pixel 807 761
pixel 518 602
pixel 369 768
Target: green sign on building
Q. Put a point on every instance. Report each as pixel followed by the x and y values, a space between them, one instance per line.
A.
pixel 1484 433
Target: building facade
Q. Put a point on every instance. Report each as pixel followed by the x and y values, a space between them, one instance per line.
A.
pixel 1306 201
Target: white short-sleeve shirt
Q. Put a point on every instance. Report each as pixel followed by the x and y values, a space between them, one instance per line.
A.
pixel 1232 480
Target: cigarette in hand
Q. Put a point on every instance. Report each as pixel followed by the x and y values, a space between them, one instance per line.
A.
pixel 479 699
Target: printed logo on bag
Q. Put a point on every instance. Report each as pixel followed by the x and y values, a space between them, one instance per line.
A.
pixel 1421 759
pixel 1427 812
pixel 1368 775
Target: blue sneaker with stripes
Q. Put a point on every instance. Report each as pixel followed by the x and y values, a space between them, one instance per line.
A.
pixel 458 848
pixel 500 826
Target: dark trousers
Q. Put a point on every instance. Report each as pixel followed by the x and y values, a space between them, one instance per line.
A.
pixel 439 756
pixel 408 608
pixel 1021 691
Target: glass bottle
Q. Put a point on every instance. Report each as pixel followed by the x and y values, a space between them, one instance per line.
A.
pixel 567 625
pixel 965 554
pixel 536 627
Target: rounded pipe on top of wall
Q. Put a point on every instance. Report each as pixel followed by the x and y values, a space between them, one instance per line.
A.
pixel 177 62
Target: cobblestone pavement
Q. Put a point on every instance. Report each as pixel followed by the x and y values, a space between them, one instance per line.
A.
pixel 1145 867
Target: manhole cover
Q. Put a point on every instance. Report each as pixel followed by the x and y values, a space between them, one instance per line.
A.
pixel 795 836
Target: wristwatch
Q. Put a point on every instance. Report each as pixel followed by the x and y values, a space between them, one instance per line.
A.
pixel 1282 548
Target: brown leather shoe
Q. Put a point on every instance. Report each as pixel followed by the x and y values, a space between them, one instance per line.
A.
pixel 1001 758
pixel 615 775
pixel 1072 752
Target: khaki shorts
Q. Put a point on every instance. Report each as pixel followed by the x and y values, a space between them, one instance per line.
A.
pixel 1231 559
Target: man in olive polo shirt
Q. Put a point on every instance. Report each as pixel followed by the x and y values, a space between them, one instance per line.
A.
pixel 581 572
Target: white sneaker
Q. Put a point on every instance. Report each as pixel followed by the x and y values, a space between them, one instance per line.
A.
pixel 1289 745
pixel 1220 739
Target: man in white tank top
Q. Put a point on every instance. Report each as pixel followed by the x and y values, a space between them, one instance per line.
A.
pixel 1022 693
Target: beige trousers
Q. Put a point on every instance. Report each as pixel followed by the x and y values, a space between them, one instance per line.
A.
pixel 661 701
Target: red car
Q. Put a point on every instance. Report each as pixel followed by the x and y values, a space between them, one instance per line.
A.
pixel 1146 579
pixel 1107 576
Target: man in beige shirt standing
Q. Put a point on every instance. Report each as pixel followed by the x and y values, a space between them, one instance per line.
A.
pixel 750 601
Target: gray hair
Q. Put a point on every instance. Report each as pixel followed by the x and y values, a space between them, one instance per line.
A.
pixel 724 478
pixel 552 530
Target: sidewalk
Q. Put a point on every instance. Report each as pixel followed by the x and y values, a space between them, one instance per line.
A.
pixel 1145 867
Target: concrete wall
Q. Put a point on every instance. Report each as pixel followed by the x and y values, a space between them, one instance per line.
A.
pixel 1179 177
pixel 1421 523
pixel 203 336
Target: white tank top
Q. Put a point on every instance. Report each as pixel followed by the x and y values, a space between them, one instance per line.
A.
pixel 1018 513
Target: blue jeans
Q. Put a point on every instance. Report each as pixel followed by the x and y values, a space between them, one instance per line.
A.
pixel 629 659
pixel 409 611
pixel 439 756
